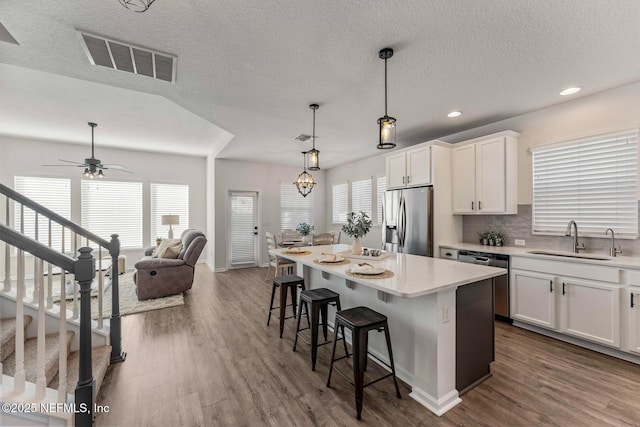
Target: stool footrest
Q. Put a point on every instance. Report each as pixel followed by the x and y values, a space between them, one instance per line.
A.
pixel 379 379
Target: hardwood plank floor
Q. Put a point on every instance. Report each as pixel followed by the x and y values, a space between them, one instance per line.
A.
pixel 215 362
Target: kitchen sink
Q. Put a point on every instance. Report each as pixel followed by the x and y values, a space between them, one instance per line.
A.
pixel 572 255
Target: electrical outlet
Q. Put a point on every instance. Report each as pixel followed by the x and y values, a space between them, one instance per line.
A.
pixel 519 242
pixel 445 313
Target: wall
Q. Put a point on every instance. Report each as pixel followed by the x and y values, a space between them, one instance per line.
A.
pixel 26 157
pixel 263 178
pixel 211 211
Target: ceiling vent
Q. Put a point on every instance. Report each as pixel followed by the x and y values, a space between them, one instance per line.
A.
pixel 126 57
pixel 6 36
pixel 303 137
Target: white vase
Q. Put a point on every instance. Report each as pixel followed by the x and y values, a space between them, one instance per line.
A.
pixel 356 248
pixel 306 240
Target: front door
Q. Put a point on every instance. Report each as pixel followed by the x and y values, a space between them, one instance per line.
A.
pixel 243 220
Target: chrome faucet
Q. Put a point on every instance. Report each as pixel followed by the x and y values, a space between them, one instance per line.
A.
pixel 576 247
pixel 613 251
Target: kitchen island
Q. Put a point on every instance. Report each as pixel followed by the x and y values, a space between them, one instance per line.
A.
pixel 426 301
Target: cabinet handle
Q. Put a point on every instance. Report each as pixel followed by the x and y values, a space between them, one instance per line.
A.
pixel 479 205
pixel 563 292
pixel 550 285
pixel 403 179
pixel 472 205
pixel 632 300
pixel 408 179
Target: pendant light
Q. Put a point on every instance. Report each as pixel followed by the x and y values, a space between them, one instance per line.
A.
pixel 314 155
pixel 305 182
pixel 386 124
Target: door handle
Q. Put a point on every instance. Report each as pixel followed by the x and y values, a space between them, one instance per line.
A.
pixel 550 285
pixel 479 205
pixel 403 179
pixel 408 179
pixel 255 232
pixel 631 300
pixel 563 291
pixel 472 205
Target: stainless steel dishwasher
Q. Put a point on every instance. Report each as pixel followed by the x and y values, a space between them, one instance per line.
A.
pixel 501 283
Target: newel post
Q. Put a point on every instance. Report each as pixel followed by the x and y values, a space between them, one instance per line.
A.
pixel 115 334
pixel 85 271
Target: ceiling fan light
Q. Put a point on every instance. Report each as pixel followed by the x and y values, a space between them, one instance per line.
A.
pixel 100 174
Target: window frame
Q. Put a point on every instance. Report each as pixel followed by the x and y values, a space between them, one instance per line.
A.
pixel 346 202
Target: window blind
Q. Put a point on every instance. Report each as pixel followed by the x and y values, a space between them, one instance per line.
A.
pixel 243 221
pixel 294 209
pixel 340 202
pixel 113 207
pixel 53 194
pixel 169 199
pixel 361 196
pixel 381 188
pixel 593 182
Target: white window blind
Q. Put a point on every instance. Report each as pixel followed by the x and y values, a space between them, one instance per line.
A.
pixel 381 188
pixel 361 196
pixel 340 202
pixel 112 207
pixel 294 209
pixel 53 194
pixel 169 199
pixel 243 221
pixel 593 182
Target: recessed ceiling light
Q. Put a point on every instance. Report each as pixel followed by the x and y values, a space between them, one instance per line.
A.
pixel 570 91
pixel 454 114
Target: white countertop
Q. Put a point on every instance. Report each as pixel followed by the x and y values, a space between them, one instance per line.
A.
pixel 414 275
pixel 619 261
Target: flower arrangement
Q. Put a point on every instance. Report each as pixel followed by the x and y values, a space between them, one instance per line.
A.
pixel 358 225
pixel 304 229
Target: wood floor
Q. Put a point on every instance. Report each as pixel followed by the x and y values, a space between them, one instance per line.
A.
pixel 214 362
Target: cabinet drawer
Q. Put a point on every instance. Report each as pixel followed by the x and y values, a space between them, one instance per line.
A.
pixel 449 253
pixel 573 269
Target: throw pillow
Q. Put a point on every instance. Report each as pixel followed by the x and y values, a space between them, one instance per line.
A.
pixel 166 243
pixel 172 252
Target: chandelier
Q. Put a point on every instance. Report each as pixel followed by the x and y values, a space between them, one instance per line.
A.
pixel 386 124
pixel 137 5
pixel 305 182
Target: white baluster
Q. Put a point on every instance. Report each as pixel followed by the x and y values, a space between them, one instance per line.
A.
pixel 41 381
pixel 100 286
pixel 50 276
pixel 76 297
pixel 62 350
pixel 19 378
pixel 7 256
pixel 36 273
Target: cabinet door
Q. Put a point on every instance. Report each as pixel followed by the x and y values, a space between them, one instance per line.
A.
pixel 633 301
pixel 419 167
pixel 490 176
pixel 533 298
pixel 396 171
pixel 591 311
pixel 463 168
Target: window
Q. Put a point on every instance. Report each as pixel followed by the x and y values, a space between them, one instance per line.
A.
pixel 380 190
pixel 593 182
pixel 294 209
pixel 112 207
pixel 340 203
pixel 169 199
pixel 361 194
pixel 53 194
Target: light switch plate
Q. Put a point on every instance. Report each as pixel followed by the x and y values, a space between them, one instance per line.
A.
pixel 519 242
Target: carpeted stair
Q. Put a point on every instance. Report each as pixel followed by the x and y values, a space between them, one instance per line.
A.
pixel 100 356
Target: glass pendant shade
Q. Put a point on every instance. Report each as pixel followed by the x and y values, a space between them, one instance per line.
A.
pixel 386 124
pixel 313 154
pixel 305 181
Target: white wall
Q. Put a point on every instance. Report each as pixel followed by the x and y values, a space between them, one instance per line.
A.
pixel 25 157
pixel 211 211
pixel 263 178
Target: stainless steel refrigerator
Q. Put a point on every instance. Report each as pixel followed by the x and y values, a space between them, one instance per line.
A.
pixel 408 221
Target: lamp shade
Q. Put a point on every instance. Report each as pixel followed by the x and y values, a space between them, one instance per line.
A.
pixel 170 219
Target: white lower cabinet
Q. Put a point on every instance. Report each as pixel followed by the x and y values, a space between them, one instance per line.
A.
pixel 633 301
pixel 533 298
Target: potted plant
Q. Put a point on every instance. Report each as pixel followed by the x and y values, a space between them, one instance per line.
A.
pixel 498 237
pixel 484 237
pixel 357 226
pixel 158 240
pixel 305 229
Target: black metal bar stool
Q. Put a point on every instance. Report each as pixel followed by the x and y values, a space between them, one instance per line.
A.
pixel 361 320
pixel 285 282
pixel 320 299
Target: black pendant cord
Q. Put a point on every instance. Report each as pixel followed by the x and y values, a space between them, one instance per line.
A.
pixel 385 86
pixel 92 152
pixel 314 129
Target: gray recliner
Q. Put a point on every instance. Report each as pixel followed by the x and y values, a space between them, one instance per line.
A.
pixel 161 277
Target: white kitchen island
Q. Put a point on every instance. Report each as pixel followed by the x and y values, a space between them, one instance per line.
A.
pixel 420 304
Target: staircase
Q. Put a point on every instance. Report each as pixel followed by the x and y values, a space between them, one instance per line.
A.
pixel 52 360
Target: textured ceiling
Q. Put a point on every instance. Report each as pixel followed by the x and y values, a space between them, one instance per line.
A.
pixel 248 70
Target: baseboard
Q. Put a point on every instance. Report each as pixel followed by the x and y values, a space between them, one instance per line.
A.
pixel 439 406
pixel 220 270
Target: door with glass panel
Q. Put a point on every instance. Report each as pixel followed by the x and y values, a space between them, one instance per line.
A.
pixel 243 221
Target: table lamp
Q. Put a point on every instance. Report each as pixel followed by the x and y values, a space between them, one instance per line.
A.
pixel 170 220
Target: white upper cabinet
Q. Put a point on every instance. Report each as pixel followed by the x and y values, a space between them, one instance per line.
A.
pixel 485 175
pixel 411 168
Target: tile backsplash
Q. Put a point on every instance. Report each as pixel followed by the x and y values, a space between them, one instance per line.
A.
pixel 519 227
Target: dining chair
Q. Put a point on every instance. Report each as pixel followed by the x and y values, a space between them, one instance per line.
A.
pixel 323 239
pixel 278 263
pixel 289 234
pixel 336 237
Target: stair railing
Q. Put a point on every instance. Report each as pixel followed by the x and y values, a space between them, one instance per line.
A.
pixel 83 269
pixel 78 235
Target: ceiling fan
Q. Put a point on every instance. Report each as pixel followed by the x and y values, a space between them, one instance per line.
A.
pixel 93 167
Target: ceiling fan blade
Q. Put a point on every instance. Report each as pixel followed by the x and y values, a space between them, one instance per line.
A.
pixel 114 166
pixel 69 161
pixel 117 169
pixel 67 166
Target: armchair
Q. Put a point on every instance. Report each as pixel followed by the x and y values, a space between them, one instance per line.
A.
pixel 160 277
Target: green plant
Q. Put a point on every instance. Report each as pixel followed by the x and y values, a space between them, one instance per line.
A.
pixel 358 225
pixel 304 229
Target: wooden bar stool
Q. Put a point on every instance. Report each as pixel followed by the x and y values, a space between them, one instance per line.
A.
pixel 361 320
pixel 284 283
pixel 320 299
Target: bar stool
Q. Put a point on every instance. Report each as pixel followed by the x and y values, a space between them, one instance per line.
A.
pixel 361 320
pixel 285 282
pixel 320 299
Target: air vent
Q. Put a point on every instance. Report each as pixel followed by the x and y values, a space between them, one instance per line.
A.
pixel 127 57
pixel 6 36
pixel 303 137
